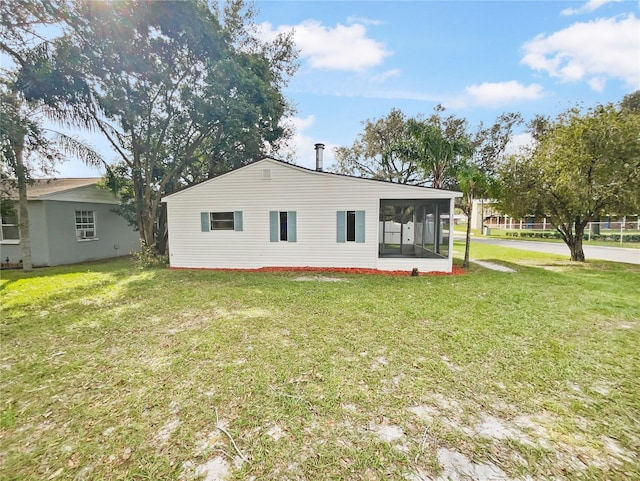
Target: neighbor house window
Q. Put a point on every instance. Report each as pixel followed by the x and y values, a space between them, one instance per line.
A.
pixel 85 224
pixel 350 226
pixel 221 221
pixel 9 231
pixel 282 226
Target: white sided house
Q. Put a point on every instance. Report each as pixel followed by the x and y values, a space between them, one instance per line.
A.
pixel 274 214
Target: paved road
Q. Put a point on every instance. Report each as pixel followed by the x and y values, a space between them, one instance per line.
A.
pixel 615 254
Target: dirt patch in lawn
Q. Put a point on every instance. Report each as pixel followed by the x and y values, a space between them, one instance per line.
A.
pixel 319 279
pixel 216 469
pixel 457 466
pixel 536 432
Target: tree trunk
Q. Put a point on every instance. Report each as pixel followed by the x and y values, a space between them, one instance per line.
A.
pixel 146 233
pixel 145 224
pixel 163 233
pixel 575 244
pixel 23 223
pixel 467 245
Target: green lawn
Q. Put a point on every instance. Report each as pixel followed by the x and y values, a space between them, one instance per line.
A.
pixel 112 372
pixel 515 235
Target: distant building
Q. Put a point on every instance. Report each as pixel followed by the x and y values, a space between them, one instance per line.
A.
pixel 70 220
pixel 485 214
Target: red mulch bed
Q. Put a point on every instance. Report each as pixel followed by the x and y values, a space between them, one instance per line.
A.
pixel 342 270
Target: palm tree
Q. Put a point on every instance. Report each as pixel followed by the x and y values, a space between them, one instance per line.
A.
pixel 22 134
pixel 22 130
pixel 472 181
pixel 437 154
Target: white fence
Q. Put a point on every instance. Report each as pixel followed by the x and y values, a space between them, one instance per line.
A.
pixel 617 231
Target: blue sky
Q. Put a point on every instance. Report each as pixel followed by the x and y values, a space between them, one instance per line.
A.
pixel 360 59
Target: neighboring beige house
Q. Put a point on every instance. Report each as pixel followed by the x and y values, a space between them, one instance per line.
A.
pixel 274 214
pixel 70 220
pixel 482 212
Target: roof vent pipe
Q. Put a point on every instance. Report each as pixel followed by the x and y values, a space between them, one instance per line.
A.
pixel 319 151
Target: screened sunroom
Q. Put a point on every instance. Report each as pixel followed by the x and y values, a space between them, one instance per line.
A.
pixel 418 228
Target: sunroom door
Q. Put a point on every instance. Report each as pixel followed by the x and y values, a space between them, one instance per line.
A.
pixel 398 229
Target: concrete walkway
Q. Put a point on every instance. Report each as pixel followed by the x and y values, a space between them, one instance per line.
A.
pixel 492 265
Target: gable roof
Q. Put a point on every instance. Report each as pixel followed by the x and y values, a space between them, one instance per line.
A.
pixel 42 188
pixel 447 193
pixel 46 187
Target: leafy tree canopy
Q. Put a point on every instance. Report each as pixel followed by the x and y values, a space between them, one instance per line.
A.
pixel 182 92
pixel 381 152
pixel 421 150
pixel 25 142
pixel 585 164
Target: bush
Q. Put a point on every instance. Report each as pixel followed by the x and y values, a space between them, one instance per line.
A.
pixel 538 234
pixel 148 257
pixel 528 234
pixel 614 237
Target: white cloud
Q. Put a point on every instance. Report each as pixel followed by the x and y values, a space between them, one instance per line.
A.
pixel 590 6
pixel 598 50
pixel 519 142
pixel 382 77
pixel 597 83
pixel 333 48
pixel 300 124
pixel 500 93
pixel 301 146
pixel 364 21
pixel 371 91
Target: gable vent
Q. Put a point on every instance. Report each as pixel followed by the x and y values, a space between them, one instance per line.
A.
pixel 266 174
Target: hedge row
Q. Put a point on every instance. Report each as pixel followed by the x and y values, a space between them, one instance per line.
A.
pixel 536 235
pixel 556 235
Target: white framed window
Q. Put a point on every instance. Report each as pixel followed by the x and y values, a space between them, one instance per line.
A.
pixel 86 225
pixel 222 221
pixel 9 233
pixel 212 221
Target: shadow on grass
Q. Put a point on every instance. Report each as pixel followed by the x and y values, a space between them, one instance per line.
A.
pixel 117 266
pixel 592 274
pixel 546 261
pixel 71 288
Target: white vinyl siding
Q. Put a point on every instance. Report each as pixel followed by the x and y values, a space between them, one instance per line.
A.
pixel 313 197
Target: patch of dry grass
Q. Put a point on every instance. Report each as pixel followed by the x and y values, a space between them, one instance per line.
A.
pixel 108 372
